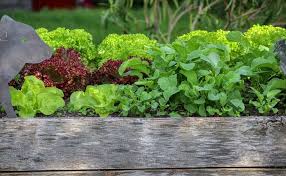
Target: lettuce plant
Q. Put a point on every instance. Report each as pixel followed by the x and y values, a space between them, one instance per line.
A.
pixel 121 47
pixel 125 100
pixel 63 70
pixel 101 99
pixel 264 36
pixel 35 98
pixel 199 38
pixel 109 73
pixel 77 39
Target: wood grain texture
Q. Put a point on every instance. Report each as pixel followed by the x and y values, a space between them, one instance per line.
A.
pixel 129 143
pixel 177 172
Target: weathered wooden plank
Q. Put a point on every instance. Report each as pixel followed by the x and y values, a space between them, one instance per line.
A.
pixel 127 143
pixel 176 172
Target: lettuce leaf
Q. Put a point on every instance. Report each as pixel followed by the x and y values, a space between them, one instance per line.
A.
pixel 101 99
pixel 35 98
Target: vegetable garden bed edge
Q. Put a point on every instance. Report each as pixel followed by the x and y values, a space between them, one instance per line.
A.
pixel 77 144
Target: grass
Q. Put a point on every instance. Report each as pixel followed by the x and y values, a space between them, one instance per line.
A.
pixel 88 19
pixel 91 21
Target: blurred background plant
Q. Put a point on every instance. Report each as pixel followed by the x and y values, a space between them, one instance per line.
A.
pixel 159 19
pixel 119 14
pixel 197 14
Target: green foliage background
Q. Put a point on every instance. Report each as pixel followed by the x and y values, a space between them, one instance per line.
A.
pixel 101 21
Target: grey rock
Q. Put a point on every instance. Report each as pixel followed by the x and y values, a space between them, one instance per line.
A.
pixel 19 44
pixel 280 49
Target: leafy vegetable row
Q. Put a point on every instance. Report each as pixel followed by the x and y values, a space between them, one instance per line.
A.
pixel 222 73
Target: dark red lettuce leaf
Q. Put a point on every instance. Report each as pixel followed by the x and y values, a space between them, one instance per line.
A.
pixel 63 70
pixel 108 73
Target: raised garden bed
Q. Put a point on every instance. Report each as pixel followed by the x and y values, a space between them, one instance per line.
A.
pixel 209 74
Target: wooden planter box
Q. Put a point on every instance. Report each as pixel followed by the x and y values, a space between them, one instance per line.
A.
pixel 143 147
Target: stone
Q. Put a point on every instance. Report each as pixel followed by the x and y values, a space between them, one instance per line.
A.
pixel 19 44
pixel 280 48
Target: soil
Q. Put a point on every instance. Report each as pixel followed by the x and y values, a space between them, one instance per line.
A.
pixel 66 114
